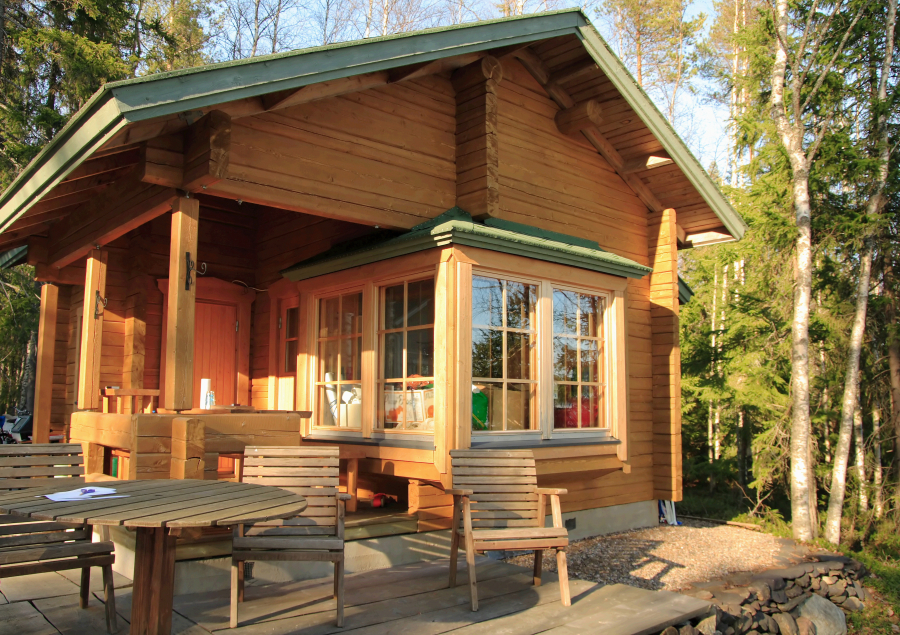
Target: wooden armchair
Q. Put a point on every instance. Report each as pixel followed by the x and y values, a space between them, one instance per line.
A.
pixel 28 546
pixel 497 506
pixel 316 535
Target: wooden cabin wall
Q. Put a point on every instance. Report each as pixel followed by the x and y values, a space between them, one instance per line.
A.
pixel 284 238
pixel 113 348
pixel 381 156
pixel 560 183
pixel 76 303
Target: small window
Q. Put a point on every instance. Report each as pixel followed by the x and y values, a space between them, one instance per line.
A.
pixel 291 339
pixel 339 355
pixel 504 355
pixel 406 365
pixel 579 360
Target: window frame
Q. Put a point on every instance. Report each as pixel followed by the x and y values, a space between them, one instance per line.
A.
pixel 380 332
pixel 615 402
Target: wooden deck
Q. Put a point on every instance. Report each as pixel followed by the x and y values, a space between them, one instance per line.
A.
pixel 408 599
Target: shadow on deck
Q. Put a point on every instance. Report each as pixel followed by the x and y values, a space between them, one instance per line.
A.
pixel 408 599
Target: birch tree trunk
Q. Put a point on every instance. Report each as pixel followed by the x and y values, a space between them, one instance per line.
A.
pixel 859 441
pixel 878 474
pixel 850 401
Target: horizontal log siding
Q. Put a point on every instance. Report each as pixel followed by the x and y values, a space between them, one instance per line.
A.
pixel 382 156
pixel 59 407
pixel 560 183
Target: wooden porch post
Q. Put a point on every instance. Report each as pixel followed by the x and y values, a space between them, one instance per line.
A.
pixel 666 365
pixel 179 394
pixel 92 330
pixel 43 389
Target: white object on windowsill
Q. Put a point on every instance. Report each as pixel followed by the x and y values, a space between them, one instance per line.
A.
pixel 84 493
pixel 207 396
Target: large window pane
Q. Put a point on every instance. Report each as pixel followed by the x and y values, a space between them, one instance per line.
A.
pixel 351 310
pixel 519 350
pixel 590 361
pixel 487 301
pixel 351 359
pixel 487 353
pixel 565 406
pixel 420 303
pixel 591 315
pixel 393 307
pixel 487 400
pixel 393 355
pixel 564 359
pixel 591 398
pixel 519 408
pixel 520 305
pixel 420 353
pixel 329 317
pixel 393 405
pixel 565 312
pixel 328 353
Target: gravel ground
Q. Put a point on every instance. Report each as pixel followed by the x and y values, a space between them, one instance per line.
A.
pixel 670 558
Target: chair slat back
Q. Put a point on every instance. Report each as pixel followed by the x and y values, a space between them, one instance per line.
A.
pixel 32 465
pixel 503 486
pixel 310 471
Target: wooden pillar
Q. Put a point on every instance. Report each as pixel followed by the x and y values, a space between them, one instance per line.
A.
pixel 477 163
pixel 666 361
pixel 179 393
pixel 92 330
pixel 188 449
pixel 46 353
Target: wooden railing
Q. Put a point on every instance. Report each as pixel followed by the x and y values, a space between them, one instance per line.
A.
pixel 142 400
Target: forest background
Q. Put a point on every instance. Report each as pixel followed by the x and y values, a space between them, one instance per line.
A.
pixel 790 346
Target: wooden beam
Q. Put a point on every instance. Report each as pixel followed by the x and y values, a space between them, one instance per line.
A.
pixel 579 117
pixel 127 204
pixel 43 384
pixel 322 90
pixel 66 275
pixel 647 162
pixel 574 71
pixel 477 144
pixel 92 330
pixel 534 65
pixel 190 160
pixel 433 67
pixel 179 359
pixel 682 236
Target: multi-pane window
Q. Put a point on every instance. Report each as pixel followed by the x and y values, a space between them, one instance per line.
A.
pixel 339 365
pixel 504 355
pixel 579 381
pixel 406 344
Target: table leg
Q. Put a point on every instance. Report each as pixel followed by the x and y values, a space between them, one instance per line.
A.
pixel 154 582
pixel 352 478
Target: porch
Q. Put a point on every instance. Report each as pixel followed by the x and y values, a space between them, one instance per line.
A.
pixel 405 599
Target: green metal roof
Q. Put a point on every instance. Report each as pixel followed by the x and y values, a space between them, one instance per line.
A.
pixel 455 226
pixel 13 257
pixel 118 104
pixel 685 293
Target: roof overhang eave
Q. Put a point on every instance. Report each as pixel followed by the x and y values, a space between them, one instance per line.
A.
pixel 121 103
pixel 659 126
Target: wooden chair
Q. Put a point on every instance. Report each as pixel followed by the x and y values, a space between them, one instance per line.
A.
pixel 28 546
pixel 316 535
pixel 497 506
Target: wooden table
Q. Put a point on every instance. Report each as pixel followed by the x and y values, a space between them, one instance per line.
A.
pixel 159 510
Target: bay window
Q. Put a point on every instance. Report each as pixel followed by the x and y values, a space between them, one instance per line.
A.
pixel 339 361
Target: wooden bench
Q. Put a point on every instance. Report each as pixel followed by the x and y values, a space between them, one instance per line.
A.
pixel 28 546
pixel 316 535
pixel 497 506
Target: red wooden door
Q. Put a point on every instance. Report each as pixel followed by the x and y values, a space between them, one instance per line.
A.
pixel 215 351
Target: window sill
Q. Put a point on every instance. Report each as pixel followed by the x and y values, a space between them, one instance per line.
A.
pixel 411 442
pixel 482 443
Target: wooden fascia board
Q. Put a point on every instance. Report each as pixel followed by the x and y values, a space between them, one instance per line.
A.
pixel 668 138
pixel 119 104
pixel 76 142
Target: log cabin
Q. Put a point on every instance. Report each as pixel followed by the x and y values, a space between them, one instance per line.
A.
pixel 464 237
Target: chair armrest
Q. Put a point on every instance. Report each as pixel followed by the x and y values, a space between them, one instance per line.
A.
pixel 97 477
pixel 343 497
pixel 458 492
pixel 551 491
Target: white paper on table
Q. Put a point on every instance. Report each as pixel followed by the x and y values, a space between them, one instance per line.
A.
pixel 84 493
